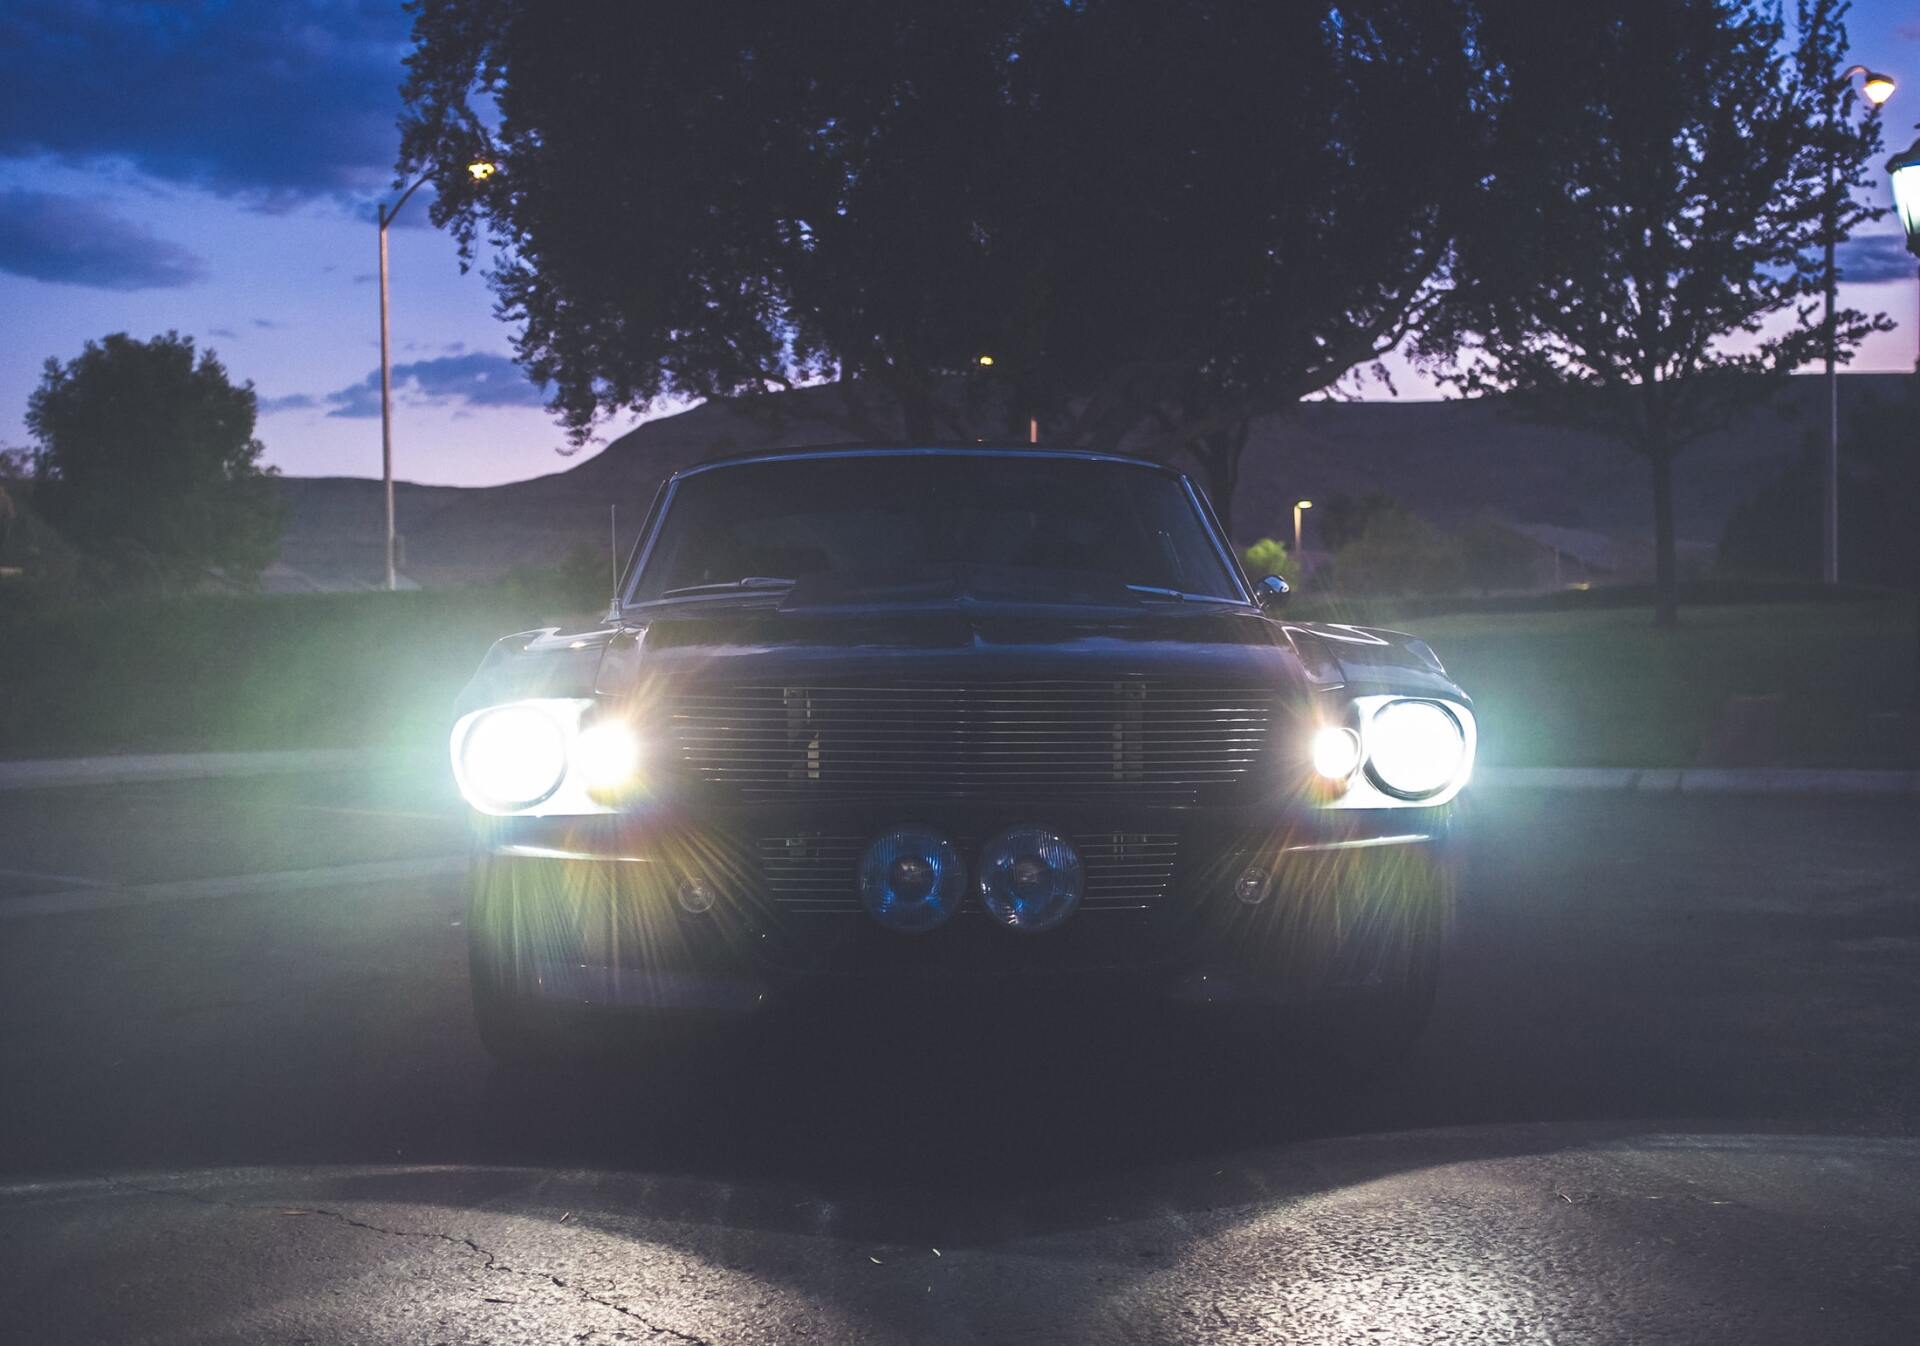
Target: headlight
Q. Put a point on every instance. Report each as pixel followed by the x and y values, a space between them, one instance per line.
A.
pixel 1408 751
pixel 512 757
pixel 545 756
pixel 1415 748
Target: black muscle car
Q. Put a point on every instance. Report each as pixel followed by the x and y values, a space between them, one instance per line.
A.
pixel 924 721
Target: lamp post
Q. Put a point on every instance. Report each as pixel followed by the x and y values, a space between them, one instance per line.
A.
pixel 1876 89
pixel 481 171
pixel 1904 170
pixel 1298 506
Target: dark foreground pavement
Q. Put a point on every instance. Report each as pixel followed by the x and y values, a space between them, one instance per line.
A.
pixel 1670 1095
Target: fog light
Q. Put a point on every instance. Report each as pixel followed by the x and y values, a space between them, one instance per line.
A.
pixel 1030 879
pixel 1252 885
pixel 696 896
pixel 1336 752
pixel 911 880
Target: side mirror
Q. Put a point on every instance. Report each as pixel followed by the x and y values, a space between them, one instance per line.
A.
pixel 1271 593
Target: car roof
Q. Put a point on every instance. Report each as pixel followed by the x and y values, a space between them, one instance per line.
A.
pixel 827 451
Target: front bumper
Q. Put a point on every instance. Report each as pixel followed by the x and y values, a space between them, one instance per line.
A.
pixel 585 911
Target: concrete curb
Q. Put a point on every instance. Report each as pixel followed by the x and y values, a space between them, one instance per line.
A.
pixel 1705 780
pixel 55 773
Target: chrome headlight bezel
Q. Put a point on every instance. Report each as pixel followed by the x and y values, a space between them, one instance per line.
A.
pixel 572 790
pixel 1368 788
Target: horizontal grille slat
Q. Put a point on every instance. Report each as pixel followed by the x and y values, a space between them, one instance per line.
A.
pixel 1121 739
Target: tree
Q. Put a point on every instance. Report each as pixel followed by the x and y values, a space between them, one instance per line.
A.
pixel 1269 556
pixel 148 461
pixel 1160 221
pixel 1688 146
pixel 1398 552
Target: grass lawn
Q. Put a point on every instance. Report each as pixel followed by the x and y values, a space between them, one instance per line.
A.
pixel 1553 688
pixel 1604 688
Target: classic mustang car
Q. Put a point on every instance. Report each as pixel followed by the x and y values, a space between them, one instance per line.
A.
pixel 925 722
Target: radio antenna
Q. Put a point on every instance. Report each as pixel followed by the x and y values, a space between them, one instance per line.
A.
pixel 613 551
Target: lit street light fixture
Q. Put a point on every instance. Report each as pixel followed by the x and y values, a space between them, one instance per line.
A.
pixel 1876 88
pixel 1904 169
pixel 481 171
pixel 1298 505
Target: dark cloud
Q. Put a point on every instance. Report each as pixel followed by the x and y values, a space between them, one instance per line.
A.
pixel 73 241
pixel 226 332
pixel 267 323
pixel 1871 258
pixel 475 379
pixel 291 402
pixel 277 101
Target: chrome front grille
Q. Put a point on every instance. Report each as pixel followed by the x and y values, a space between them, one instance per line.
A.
pixel 1124 740
pixel 813 872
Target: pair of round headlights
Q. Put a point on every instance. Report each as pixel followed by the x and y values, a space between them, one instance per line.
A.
pixel 912 879
pixel 1411 749
pixel 518 756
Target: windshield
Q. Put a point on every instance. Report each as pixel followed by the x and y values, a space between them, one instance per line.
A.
pixel 862 522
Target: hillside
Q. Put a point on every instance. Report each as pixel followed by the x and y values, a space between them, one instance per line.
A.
pixel 1447 460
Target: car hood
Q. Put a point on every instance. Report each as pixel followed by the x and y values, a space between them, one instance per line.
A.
pixel 959 639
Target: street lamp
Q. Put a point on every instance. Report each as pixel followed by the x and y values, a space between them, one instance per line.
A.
pixel 1876 88
pixel 1298 505
pixel 481 171
pixel 1904 169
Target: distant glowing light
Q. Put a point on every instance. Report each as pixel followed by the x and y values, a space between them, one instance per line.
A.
pixel 1303 504
pixel 481 170
pixel 984 361
pixel 1878 88
pixel 1336 752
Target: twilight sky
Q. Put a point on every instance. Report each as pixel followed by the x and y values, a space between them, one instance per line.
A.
pixel 211 167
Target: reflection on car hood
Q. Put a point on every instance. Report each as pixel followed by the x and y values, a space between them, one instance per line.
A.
pixel 967 639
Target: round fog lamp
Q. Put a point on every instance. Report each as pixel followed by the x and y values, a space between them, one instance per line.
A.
pixel 514 757
pixel 1251 888
pixel 1336 752
pixel 1030 879
pixel 696 896
pixel 1414 748
pixel 911 880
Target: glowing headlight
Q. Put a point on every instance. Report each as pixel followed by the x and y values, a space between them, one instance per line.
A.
pixel 1336 752
pixel 512 757
pixel 553 756
pixel 1415 748
pixel 606 755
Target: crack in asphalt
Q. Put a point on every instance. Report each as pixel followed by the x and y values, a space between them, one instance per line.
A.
pixel 493 1262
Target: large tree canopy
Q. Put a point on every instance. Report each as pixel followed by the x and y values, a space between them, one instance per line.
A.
pixel 1648 257
pixel 1159 219
pixel 148 461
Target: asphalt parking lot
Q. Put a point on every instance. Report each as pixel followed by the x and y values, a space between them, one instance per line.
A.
pixel 1669 1094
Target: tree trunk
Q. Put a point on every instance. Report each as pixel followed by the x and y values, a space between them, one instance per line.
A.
pixel 1666 576
pixel 1219 455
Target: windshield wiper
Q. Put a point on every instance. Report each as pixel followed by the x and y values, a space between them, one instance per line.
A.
pixel 722 586
pixel 1176 595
